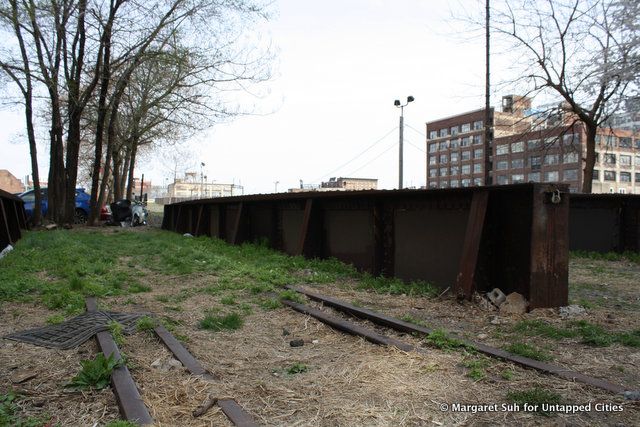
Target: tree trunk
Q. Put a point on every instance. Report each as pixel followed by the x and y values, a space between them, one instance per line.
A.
pixel 33 152
pixel 132 164
pixel 56 185
pixel 116 173
pixel 125 171
pixel 590 160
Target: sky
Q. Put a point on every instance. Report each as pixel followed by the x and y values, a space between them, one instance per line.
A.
pixel 328 110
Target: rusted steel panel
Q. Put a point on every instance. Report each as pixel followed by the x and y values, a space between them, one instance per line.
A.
pixel 214 221
pixel 409 234
pixel 402 326
pixel 349 236
pixel 131 406
pixel 12 219
pixel 465 283
pixel 549 248
pixel 238 416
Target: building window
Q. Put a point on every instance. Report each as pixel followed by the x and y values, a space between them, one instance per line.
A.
pixel 551 159
pixel 570 175
pixel 609 175
pixel 455 183
pixel 444 158
pixel 477 139
pixel 477 181
pixel 517 147
pixel 455 143
pixel 444 171
pixel 433 160
pixel 502 149
pixel 433 147
pixel 464 142
pixel 443 132
pixel 444 145
pixel 454 130
pixel 596 175
pixel 477 125
pixel 609 159
pixel 625 176
pixel 455 170
pixel 477 153
pixel 455 156
pixel 637 176
pixel 624 160
pixel 477 168
pixel 517 163
pixel 433 134
pixel 637 161
pixel 502 179
pixel 597 157
pixel 570 158
pixel 570 139
pixel 444 184
pixel 466 182
pixel 465 127
pixel 637 143
pixel 517 178
pixel 533 144
pixel 534 177
pixel 611 141
pixel 433 173
pixel 465 169
pixel 551 176
pixel 552 142
pixel 433 185
pixel 466 155
pixel 534 162
pixel 502 165
pixel 625 142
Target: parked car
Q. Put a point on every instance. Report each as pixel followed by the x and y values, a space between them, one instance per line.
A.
pixel 82 205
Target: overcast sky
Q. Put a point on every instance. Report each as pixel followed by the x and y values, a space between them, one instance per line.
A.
pixel 340 66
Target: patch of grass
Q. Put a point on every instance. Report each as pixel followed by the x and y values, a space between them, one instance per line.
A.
pixel 95 373
pixel 411 319
pixel 395 286
pixel 146 323
pixel 542 328
pixel 270 303
pixel 116 332
pixel 137 288
pixel 9 413
pixel 228 300
pixel 609 256
pixel 507 374
pixel 55 319
pixel 440 339
pixel 589 333
pixel 535 397
pixel 218 323
pixel 527 350
pixel 121 423
pixel 291 296
pixel 476 369
pixel 162 298
pixel 297 368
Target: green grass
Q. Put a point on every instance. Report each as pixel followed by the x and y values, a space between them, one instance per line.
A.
pixel 528 350
pixel 535 397
pixel 9 413
pixel 476 369
pixel 146 323
pixel 95 373
pixel 121 423
pixel 270 303
pixel 411 319
pixel 55 319
pixel 291 296
pixel 228 300
pixel 589 333
pixel 396 286
pixel 297 368
pixel 609 256
pixel 116 332
pixel 441 340
pixel 215 323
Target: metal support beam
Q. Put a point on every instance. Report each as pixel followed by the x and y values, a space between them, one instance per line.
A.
pixel 304 229
pixel 236 226
pixel 468 262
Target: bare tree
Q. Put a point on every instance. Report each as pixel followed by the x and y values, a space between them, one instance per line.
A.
pixel 573 49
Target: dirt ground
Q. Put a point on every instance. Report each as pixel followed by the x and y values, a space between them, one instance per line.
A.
pixel 346 381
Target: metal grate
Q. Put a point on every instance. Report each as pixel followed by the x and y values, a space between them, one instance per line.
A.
pixel 77 330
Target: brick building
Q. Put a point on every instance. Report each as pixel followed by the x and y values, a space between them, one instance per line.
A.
pixel 528 149
pixel 10 183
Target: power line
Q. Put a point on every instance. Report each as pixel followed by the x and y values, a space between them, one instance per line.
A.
pixel 414 129
pixel 394 145
pixel 356 157
pixel 416 146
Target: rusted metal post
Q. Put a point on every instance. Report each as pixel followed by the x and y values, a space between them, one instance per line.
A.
pixel 236 226
pixel 466 277
pixel 6 222
pixel 196 232
pixel 304 229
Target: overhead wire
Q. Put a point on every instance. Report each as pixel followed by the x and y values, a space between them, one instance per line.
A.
pixel 394 145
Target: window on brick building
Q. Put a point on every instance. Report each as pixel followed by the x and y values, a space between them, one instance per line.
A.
pixel 551 159
pixel 444 145
pixel 477 139
pixel 433 147
pixel 534 162
pixel 465 141
pixel 466 182
pixel 534 177
pixel 625 142
pixel 477 181
pixel 455 183
pixel 502 149
pixel 477 125
pixel 455 143
pixel 465 169
pixel 533 144
pixel 444 158
pixel 637 176
pixel 433 134
pixel 609 175
pixel 433 172
pixel 454 130
pixel 455 156
pixel 625 176
pixel 465 155
pixel 624 160
pixel 433 160
pixel 551 176
pixel 517 178
pixel 443 132
pixel 444 171
pixel 455 170
pixel 502 165
pixel 517 163
pixel 517 147
pixel 502 179
pixel 477 153
pixel 570 158
pixel 570 175
pixel 609 159
pixel 477 168
pixel 596 175
pixel 466 127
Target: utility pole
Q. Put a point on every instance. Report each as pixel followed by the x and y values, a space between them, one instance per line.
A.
pixel 276 184
pixel 397 103
pixel 487 104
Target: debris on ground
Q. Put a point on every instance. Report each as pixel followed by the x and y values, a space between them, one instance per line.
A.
pixel 5 251
pixel 514 303
pixel 187 235
pixel 296 343
pixel 166 365
pixel 205 406
pixel 496 296
pixel 571 311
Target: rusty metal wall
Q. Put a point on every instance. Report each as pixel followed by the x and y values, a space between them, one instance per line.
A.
pixel 604 222
pixel 12 219
pixel 469 239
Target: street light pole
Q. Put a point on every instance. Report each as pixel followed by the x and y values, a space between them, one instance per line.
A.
pixel 397 103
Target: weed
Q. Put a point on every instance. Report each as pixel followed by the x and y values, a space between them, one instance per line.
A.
pixel 55 319
pixel 291 296
pixel 409 318
pixel 162 298
pixel 476 369
pixel 395 286
pixel 536 397
pixel 95 373
pixel 217 323
pixel 146 323
pixel 116 332
pixel 9 413
pixel 440 339
pixel 297 368
pixel 609 256
pixel 137 288
pixel 529 351
pixel 507 374
pixel 542 328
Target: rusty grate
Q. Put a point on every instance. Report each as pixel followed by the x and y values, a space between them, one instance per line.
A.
pixel 77 330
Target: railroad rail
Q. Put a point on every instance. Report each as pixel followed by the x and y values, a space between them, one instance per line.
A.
pixel 402 326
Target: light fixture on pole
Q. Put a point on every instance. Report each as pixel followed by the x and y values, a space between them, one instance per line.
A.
pixel 397 103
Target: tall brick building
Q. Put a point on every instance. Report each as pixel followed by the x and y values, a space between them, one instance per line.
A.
pixel 527 149
pixel 10 183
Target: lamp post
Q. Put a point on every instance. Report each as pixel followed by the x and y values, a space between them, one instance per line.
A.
pixel 397 103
